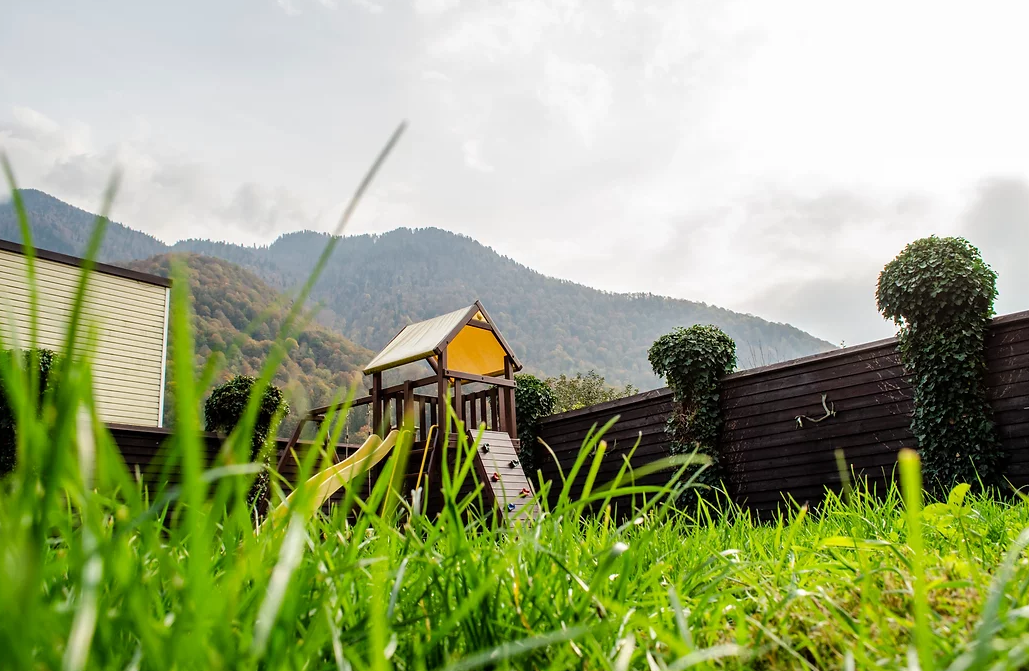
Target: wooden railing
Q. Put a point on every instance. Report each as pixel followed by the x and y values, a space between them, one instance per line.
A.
pixel 482 407
pixel 423 409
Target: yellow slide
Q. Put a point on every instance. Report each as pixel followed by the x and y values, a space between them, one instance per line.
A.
pixel 321 486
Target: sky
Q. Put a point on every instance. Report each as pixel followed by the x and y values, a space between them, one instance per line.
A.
pixel 767 157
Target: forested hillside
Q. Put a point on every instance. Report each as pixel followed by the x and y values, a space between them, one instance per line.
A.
pixel 375 285
pixel 64 228
pixel 228 300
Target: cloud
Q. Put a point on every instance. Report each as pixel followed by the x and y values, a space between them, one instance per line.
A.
pixel 291 9
pixel 166 195
pixel 580 92
pixel 288 7
pixel 435 6
pixel 815 261
pixel 367 5
pixel 997 221
pixel 269 212
pixel 473 158
pixel 695 149
pixel 806 260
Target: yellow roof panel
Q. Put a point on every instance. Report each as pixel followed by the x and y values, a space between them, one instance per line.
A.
pixel 476 351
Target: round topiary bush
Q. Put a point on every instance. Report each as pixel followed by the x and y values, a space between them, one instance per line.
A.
pixel 534 400
pixel 47 362
pixel 692 360
pixel 224 409
pixel 941 292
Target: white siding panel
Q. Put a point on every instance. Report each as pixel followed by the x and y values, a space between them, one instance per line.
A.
pixel 129 318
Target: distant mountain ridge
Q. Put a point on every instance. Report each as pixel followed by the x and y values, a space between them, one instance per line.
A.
pixel 376 284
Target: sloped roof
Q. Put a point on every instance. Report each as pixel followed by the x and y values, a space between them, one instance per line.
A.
pixel 418 341
pixel 471 339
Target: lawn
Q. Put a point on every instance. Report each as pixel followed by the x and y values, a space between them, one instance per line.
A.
pixel 98 577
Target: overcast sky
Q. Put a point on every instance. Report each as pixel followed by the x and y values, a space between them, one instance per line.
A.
pixel 767 157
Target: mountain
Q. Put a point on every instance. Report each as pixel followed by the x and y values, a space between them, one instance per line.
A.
pixel 63 228
pixel 376 284
pixel 227 300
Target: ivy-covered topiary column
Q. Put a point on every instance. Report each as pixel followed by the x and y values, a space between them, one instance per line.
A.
pixel 692 360
pixel 224 409
pixel 941 292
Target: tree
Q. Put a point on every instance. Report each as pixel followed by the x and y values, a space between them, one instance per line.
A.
pixel 572 393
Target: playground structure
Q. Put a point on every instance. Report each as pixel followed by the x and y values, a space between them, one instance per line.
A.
pixel 462 348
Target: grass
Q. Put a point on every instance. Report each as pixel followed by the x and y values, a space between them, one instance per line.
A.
pixel 96 571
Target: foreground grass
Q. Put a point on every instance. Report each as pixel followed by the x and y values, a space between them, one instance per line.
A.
pixel 110 585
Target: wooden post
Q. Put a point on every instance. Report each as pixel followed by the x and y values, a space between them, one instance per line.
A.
pixel 494 409
pixel 512 419
pixel 377 403
pixel 458 401
pixel 434 476
pixel 502 408
pixel 441 401
pixel 408 410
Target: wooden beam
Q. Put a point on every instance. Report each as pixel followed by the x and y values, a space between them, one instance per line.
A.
pixel 473 415
pixel 458 402
pixel 377 403
pixel 485 379
pixel 502 410
pixel 431 360
pixel 442 347
pixel 512 420
pixel 441 400
pixel 315 413
pixel 286 451
pixel 408 408
pixel 399 388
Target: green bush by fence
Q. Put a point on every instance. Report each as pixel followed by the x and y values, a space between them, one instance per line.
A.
pixel 45 361
pixel 534 400
pixel 225 407
pixel 691 360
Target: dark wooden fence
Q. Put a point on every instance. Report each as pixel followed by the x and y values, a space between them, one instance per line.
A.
pixel 147 457
pixel 142 449
pixel 769 456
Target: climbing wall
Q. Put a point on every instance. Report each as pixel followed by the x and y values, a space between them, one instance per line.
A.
pixel 505 476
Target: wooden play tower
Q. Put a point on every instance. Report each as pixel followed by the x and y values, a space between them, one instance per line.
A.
pixel 474 367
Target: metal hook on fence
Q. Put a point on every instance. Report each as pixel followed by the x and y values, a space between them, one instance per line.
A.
pixel 829 412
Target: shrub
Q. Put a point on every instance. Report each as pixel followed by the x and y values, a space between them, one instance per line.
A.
pixel 581 391
pixel 941 292
pixel 46 360
pixel 534 400
pixel 225 407
pixel 692 360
